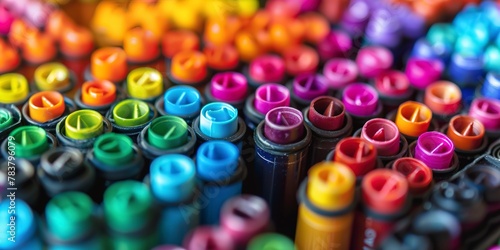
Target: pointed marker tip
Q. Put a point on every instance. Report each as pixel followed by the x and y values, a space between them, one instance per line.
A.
pixel 469 130
pixel 330 110
pixel 379 135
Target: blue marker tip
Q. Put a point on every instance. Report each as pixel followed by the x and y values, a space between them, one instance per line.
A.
pixel 470 44
pixel 466 70
pixel 23 227
pixel 492 11
pixel 172 178
pixel 424 49
pixel 182 101
pixel 217 160
pixel 491 86
pixel 218 120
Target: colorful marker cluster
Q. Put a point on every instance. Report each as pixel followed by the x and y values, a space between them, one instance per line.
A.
pixel 218 125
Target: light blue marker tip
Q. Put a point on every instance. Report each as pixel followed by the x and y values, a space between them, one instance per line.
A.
pixel 218 120
pixel 173 178
pixel 182 101
pixel 23 227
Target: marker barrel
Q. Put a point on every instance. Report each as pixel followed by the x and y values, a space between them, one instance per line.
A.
pixel 26 182
pixel 129 117
pixel 228 87
pixel 51 124
pixel 412 129
pixel 418 175
pixel 361 103
pixel 438 174
pixel 37 142
pixel 444 99
pixel 487 111
pixel 182 101
pixel 466 70
pixel 11 118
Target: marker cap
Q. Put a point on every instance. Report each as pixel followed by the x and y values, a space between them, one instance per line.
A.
pixel 38 47
pixel 422 72
pixel 316 26
pixel 327 113
pixel 218 120
pixel 442 34
pixel 284 125
pixel 267 68
pixel 224 57
pixel 7 19
pixel 182 100
pixel 340 72
pixel 331 185
pixel 173 178
pixel 413 118
pixel 466 69
pixel 384 191
pixel 356 153
pixel 30 141
pixel 270 96
pixel 76 41
pixel 271 241
pixel 285 33
pixel 127 206
pixel 373 60
pixel 14 88
pixel 215 157
pixel 52 76
pixel 336 44
pixel 6 119
pixel 113 149
pixel 25 224
pixel 435 150
pixel 205 237
pixel 144 83
pixel 46 106
pixel 383 134
pixel 384 28
pixel 418 174
pixel 141 45
pixel 83 124
pixel 487 111
pixel 10 57
pixel 392 83
pixel 466 132
pixel 355 17
pixel 360 99
pixel 109 63
pixel 486 179
pixel 491 58
pixel 309 86
pixel 443 97
pixel 175 41
pixel 300 59
pixel 56 22
pixel 229 86
pixel 18 30
pixel 167 132
pixel 69 215
pixel 248 46
pixel 491 86
pixel 98 93
pixel 189 66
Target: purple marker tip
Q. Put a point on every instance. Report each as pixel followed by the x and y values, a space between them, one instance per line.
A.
pixel 336 44
pixel 209 238
pixel 373 60
pixel 340 72
pixel 270 96
pixel 284 125
pixel 360 99
pixel 229 86
pixel 487 111
pixel 422 72
pixel 413 25
pixel 310 86
pixel 356 17
pixel 435 149
pixel 267 68
pixel 384 28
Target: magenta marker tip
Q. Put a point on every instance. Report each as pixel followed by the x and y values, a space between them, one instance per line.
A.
pixel 423 72
pixel 486 111
pixel 229 86
pixel 383 134
pixel 309 86
pixel 435 149
pixel 267 68
pixel 392 83
pixel 340 72
pixel 373 60
pixel 209 238
pixel 360 99
pixel 269 96
pixel 284 125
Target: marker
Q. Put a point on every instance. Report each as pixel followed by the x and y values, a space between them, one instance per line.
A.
pixel 129 216
pixel 373 60
pixel 14 89
pixel 80 129
pixel 484 175
pixel 45 109
pixel 11 59
pixel 340 72
pixel 355 18
pixel 329 123
pixel 487 111
pixel 393 88
pixel 24 226
pixel 229 87
pixel 76 41
pixel 491 55
pixel 249 45
pixel 490 88
pixel 62 169
pixel 265 69
pixel 173 185
pixel 7 19
pixel 384 135
pixel 30 143
pixel 219 121
pixel 54 77
pixel 436 150
pixel 423 72
pixel 174 41
pixel 70 222
pixel 336 44
pixel 304 88
pixel 361 103
pixel 413 26
pixel 145 84
pixel 384 28
pixel 359 155
pixel 424 49
pixel 413 119
pixel 327 202
pixel 442 36
pixel 141 45
pixel 300 59
pixel 316 26
pixel 244 217
pixel 466 70
pixel 115 158
pixel 219 168
pixel 281 148
pixel 28 186
pixel 385 200
pixel 271 241
pixel 108 63
pixel 222 58
pixel 444 99
pixel 189 68
pixel 98 95
pixel 207 238
pixel 219 32
pixel 182 101
pixel 266 97
pixel 38 47
pixel 130 116
pixel 10 118
pixel 467 134
pixel 418 175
